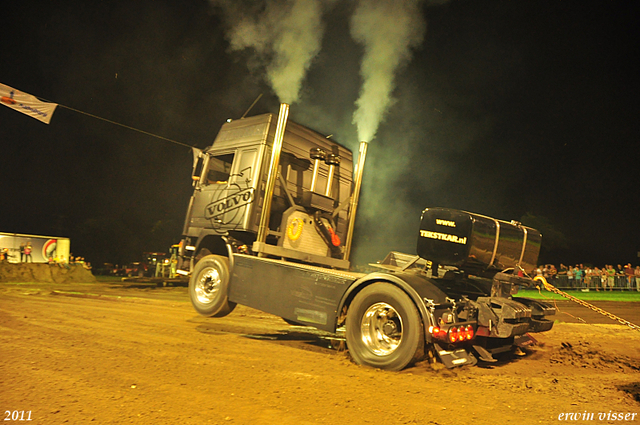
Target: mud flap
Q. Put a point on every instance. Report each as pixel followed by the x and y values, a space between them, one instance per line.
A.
pixel 525 340
pixel 485 356
pixel 455 358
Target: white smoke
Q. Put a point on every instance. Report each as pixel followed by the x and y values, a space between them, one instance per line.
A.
pixel 387 29
pixel 286 35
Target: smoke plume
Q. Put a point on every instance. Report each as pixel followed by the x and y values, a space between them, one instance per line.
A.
pixel 285 34
pixel 387 29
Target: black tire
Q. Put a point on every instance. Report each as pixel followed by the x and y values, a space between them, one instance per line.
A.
pixel 209 287
pixel 383 328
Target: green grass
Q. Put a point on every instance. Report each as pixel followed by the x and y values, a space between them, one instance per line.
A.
pixel 592 295
pixel 101 278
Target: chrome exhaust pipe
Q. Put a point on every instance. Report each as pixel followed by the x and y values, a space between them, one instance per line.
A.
pixel 332 160
pixel 317 155
pixel 353 205
pixel 263 230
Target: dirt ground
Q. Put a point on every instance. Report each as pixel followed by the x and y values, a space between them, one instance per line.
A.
pixel 117 353
pixel 38 272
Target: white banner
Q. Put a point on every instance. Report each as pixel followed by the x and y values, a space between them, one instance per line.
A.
pixel 26 103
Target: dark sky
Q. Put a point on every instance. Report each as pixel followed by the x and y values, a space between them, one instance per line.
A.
pixel 507 109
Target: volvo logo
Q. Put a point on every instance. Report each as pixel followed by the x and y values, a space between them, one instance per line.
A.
pixel 230 203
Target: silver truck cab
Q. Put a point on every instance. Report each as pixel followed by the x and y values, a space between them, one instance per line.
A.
pixel 230 181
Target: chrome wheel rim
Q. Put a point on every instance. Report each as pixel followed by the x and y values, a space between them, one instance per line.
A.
pixel 208 286
pixel 381 329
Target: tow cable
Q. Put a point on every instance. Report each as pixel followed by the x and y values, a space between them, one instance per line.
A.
pixel 549 287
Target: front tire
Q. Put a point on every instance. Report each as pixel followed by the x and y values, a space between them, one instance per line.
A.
pixel 383 328
pixel 209 287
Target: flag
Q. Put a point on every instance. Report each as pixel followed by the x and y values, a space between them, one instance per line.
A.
pixel 27 104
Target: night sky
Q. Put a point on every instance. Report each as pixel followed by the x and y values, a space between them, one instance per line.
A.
pixel 512 109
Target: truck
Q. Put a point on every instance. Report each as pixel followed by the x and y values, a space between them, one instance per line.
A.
pixel 270 226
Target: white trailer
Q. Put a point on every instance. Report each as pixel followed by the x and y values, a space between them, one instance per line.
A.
pixel 42 247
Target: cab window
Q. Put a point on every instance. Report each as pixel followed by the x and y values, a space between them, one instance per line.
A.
pixel 218 169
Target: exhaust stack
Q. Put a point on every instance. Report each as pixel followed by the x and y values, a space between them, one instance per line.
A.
pixel 332 160
pixel 353 205
pixel 263 230
pixel 317 155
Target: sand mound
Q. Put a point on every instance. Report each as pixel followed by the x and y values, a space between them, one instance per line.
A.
pixel 34 272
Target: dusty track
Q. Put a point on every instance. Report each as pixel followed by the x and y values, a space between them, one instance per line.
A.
pixel 109 354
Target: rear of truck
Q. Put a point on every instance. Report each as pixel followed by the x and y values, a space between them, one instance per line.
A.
pixel 468 271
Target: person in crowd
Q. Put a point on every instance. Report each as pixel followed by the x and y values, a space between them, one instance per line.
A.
pixel 621 277
pixel 595 278
pixel 600 272
pixel 629 273
pixel 588 274
pixel 578 275
pixel 27 252
pixel 604 278
pixel 636 273
pixel 611 276
pixel 63 263
pixel 561 276
pixel 22 252
pixel 570 276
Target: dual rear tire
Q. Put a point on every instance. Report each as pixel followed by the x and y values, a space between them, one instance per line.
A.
pixel 383 328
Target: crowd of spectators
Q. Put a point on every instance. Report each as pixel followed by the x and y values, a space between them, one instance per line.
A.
pixel 585 278
pixel 73 261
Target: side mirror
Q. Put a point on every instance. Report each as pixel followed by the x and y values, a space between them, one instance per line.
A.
pixel 197 170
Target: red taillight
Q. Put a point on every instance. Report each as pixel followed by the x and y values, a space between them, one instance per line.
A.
pixel 453 334
pixel 460 334
pixel 437 332
pixel 469 331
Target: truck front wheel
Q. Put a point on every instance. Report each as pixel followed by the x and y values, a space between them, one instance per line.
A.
pixel 209 285
pixel 383 328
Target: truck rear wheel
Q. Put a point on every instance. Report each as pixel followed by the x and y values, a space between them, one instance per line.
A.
pixel 383 328
pixel 209 286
